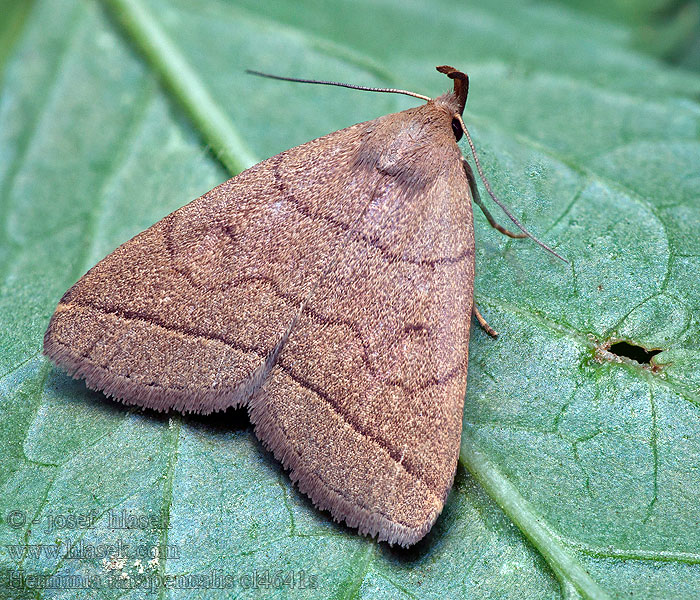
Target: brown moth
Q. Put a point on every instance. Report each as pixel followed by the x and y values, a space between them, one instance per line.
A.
pixel 329 290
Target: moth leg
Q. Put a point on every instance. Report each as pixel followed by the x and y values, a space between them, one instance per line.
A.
pixel 475 196
pixel 484 325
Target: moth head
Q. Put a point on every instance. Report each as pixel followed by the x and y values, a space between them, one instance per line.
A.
pixel 461 83
pixel 461 89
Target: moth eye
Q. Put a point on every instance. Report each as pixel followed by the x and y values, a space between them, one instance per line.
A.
pixel 457 129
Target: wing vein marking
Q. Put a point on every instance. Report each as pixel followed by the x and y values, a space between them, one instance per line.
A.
pixel 358 235
pixel 265 354
pixel 353 500
pixel 131 315
pixel 403 462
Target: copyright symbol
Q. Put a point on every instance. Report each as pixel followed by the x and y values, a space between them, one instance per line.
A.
pixel 16 519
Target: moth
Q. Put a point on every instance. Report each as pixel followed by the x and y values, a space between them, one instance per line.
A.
pixel 328 289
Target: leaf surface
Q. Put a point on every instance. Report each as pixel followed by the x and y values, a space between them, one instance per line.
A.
pixel 579 472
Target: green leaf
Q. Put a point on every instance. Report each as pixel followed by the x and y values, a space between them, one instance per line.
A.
pixel 669 29
pixel 580 470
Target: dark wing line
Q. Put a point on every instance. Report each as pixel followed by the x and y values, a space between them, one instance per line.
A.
pixel 371 241
pixel 133 316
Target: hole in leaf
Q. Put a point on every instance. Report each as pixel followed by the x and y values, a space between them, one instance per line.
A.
pixel 637 353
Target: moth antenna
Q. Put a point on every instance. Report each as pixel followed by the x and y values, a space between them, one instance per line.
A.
pixel 487 185
pixel 339 84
